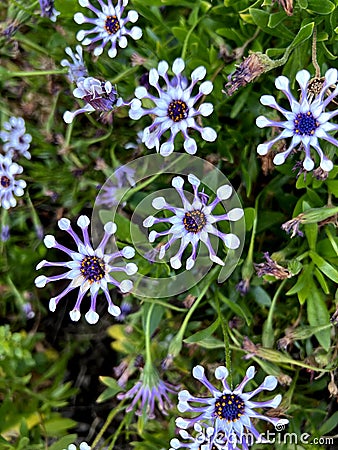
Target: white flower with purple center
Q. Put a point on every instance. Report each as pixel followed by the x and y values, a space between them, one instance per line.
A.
pixel 305 123
pixel 174 108
pixel 89 270
pixel 9 185
pixel 228 411
pixel 98 95
pixel 48 10
pixel 76 68
pixel 15 138
pixel 108 27
pixel 194 222
pixel 149 391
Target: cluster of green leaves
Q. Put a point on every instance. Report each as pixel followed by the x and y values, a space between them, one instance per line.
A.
pixel 282 326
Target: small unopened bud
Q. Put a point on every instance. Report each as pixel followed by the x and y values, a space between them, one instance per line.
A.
pixel 249 69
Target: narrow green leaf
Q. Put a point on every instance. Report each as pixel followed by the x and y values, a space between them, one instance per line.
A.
pixel 329 425
pixel 321 6
pixel 203 334
pixel 324 266
pixel 318 315
pixel 303 34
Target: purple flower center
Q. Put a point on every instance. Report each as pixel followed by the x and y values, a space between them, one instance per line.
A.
pixel 177 110
pixel 112 25
pixel 5 181
pixel 194 221
pixel 305 124
pixel 229 407
pixel 92 268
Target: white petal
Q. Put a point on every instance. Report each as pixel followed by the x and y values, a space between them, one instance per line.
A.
pixel 152 236
pixel 140 92
pixel 132 16
pixel 52 304
pixel 235 214
pixel 303 77
pixel 198 372
pixel 126 286
pixel 206 109
pixel 110 228
pixel 190 146
pixel 49 241
pixel 40 281
pixel 153 77
pixel 128 252
pixel 326 165
pixel 278 159
pixel 282 83
pixel 136 33
pixel 331 76
pixel 92 317
pixel 131 269
pixel 162 67
pixel 178 66
pixel 206 87
pixel 79 18
pixel 175 262
pixel 123 42
pixel 159 202
pixel 232 241
pixel 177 182
pixel 68 117
pixel 208 134
pixel 193 180
pixel 199 73
pixel 221 372
pixel 75 315
pixel 308 164
pixel 262 122
pixel 224 192
pixel 149 221
pixel 41 264
pixel 114 310
pixel 64 224
pixel 82 221
pixel 166 149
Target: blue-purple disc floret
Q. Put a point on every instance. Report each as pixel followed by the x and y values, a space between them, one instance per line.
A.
pixel 89 269
pixel 228 411
pixel 194 222
pixel 109 26
pixel 174 107
pixel 306 122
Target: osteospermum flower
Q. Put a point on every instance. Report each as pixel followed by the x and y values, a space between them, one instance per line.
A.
pixel 305 123
pixel 98 95
pixel 15 138
pixel 89 270
pixel 174 107
pixel 9 185
pixel 194 222
pixel 149 391
pixel 76 68
pixel 48 10
pixel 108 27
pixel 228 411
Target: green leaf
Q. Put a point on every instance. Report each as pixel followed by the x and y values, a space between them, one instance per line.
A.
pixel 249 215
pixel 321 6
pixel 58 425
pixel 318 315
pixel 311 233
pixel 303 4
pixel 63 443
pixel 303 34
pixel 238 309
pixel 324 266
pixel 126 231
pixel 261 296
pixel 329 425
pixel 203 334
